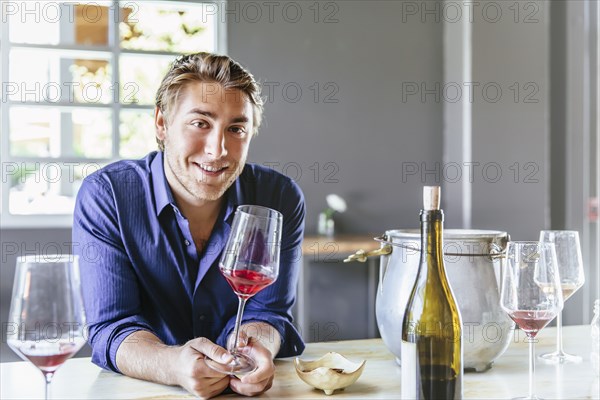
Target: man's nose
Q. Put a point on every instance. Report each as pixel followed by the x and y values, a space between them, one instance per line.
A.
pixel 215 143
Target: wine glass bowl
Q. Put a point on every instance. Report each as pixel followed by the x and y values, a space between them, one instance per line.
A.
pixel 570 268
pixel 249 263
pixel 531 293
pixel 46 321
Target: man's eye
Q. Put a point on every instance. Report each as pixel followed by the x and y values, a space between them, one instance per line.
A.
pixel 238 130
pixel 200 124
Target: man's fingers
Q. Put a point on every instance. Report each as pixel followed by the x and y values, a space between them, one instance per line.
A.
pixel 211 350
pixel 210 388
pixel 255 350
pixel 260 374
pixel 242 339
pixel 260 379
pixel 265 366
pixel 250 389
pixel 195 375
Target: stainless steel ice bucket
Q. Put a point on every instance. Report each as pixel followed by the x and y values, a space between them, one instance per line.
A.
pixel 472 260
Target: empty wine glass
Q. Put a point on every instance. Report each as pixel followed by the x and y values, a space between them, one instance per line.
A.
pixel 46 319
pixel 531 292
pixel 250 262
pixel 570 269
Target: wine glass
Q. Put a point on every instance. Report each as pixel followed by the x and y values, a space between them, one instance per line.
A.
pixel 531 292
pixel 570 268
pixel 47 320
pixel 250 262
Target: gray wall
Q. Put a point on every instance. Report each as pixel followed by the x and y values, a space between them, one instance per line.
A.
pixel 513 131
pixel 377 130
pixel 368 54
pixel 497 155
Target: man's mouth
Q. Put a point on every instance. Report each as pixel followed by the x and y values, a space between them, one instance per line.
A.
pixel 211 169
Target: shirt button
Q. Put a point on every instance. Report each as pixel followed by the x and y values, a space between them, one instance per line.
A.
pixel 202 317
pixel 187 242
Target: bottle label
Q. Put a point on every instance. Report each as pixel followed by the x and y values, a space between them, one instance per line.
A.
pixel 409 381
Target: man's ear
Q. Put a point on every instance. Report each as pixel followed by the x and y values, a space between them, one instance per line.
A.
pixel 160 124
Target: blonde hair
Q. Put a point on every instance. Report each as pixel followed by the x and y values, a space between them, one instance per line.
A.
pixel 207 67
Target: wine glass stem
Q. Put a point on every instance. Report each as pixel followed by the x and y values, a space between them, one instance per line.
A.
pixel 238 320
pixel 48 378
pixel 531 367
pixel 559 343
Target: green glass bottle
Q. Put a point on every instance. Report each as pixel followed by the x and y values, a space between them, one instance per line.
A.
pixel 431 351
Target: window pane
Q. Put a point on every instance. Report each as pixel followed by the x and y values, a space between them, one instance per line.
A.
pixel 44 76
pixel 60 132
pixel 137 133
pixel 92 133
pixel 34 132
pixel 180 28
pixel 140 77
pixel 58 22
pixel 45 188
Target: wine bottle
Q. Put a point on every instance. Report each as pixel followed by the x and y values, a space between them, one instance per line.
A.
pixel 431 350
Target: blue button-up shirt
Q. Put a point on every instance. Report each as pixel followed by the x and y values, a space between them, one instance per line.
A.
pixel 140 269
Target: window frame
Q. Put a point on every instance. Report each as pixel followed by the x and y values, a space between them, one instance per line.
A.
pixel 8 220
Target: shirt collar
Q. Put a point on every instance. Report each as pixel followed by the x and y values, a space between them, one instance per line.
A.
pixel 234 198
pixel 162 192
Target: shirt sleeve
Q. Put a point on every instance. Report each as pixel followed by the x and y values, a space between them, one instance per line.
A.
pixel 109 284
pixel 273 304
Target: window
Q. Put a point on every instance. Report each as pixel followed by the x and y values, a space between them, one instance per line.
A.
pixel 78 86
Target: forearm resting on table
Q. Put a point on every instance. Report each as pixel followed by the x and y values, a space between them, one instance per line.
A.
pixel 263 332
pixel 144 356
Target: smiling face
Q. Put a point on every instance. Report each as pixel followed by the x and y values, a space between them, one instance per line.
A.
pixel 206 138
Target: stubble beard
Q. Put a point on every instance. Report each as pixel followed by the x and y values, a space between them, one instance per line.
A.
pixel 199 189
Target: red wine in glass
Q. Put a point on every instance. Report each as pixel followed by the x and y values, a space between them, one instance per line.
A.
pixel 531 322
pixel 47 356
pixel 247 282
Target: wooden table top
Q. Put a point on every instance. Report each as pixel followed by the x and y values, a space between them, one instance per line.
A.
pixel 508 377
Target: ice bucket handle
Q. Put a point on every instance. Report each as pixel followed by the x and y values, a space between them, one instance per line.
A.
pixel 361 255
pixel 496 250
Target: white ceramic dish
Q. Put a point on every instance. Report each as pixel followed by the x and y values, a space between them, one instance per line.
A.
pixel 330 372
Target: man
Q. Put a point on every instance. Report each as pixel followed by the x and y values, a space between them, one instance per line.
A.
pixel 151 233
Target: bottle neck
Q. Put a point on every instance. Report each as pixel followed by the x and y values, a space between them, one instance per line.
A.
pixel 432 225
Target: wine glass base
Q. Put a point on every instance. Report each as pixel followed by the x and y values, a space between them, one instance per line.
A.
pixel 241 365
pixel 560 358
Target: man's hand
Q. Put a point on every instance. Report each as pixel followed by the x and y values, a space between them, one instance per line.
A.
pixel 261 379
pixel 142 355
pixel 192 372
